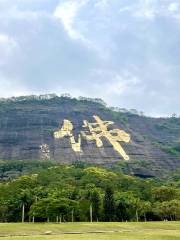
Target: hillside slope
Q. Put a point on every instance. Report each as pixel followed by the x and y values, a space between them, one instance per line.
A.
pixel 28 126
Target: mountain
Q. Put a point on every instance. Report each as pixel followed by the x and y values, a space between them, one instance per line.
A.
pixel 66 130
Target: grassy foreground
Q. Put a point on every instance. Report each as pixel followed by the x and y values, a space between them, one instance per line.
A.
pixel 87 231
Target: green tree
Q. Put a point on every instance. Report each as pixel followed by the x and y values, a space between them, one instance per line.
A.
pixel 109 205
pixel 164 193
pixel 144 207
pixel 25 198
pixel 95 202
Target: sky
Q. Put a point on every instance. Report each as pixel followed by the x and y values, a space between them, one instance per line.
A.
pixel 126 52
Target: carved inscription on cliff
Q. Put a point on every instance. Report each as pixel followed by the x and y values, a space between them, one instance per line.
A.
pixel 94 132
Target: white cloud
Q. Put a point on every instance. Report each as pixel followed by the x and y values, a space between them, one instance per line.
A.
pixel 110 83
pixel 150 9
pixel 126 52
pixel 9 87
pixel 173 7
pixel 146 9
pixel 67 12
pixel 102 4
pixel 122 85
pixel 7 47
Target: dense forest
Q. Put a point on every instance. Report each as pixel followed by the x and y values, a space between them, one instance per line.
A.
pixel 46 191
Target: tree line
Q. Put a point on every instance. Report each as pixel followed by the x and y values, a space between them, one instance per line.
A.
pixel 77 192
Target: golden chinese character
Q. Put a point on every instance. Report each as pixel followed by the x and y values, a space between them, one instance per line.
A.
pixel 67 130
pixel 100 129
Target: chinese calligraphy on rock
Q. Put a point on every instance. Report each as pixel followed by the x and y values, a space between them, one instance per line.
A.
pixel 94 132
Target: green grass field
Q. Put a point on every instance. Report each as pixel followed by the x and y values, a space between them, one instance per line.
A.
pixel 87 231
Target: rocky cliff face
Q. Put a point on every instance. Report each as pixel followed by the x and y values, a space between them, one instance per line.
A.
pixel 32 128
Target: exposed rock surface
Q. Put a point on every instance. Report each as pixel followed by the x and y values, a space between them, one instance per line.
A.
pixel 27 127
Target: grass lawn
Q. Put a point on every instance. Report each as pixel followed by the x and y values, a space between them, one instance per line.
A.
pixel 87 231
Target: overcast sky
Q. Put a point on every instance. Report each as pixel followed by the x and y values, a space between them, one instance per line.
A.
pixel 126 52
